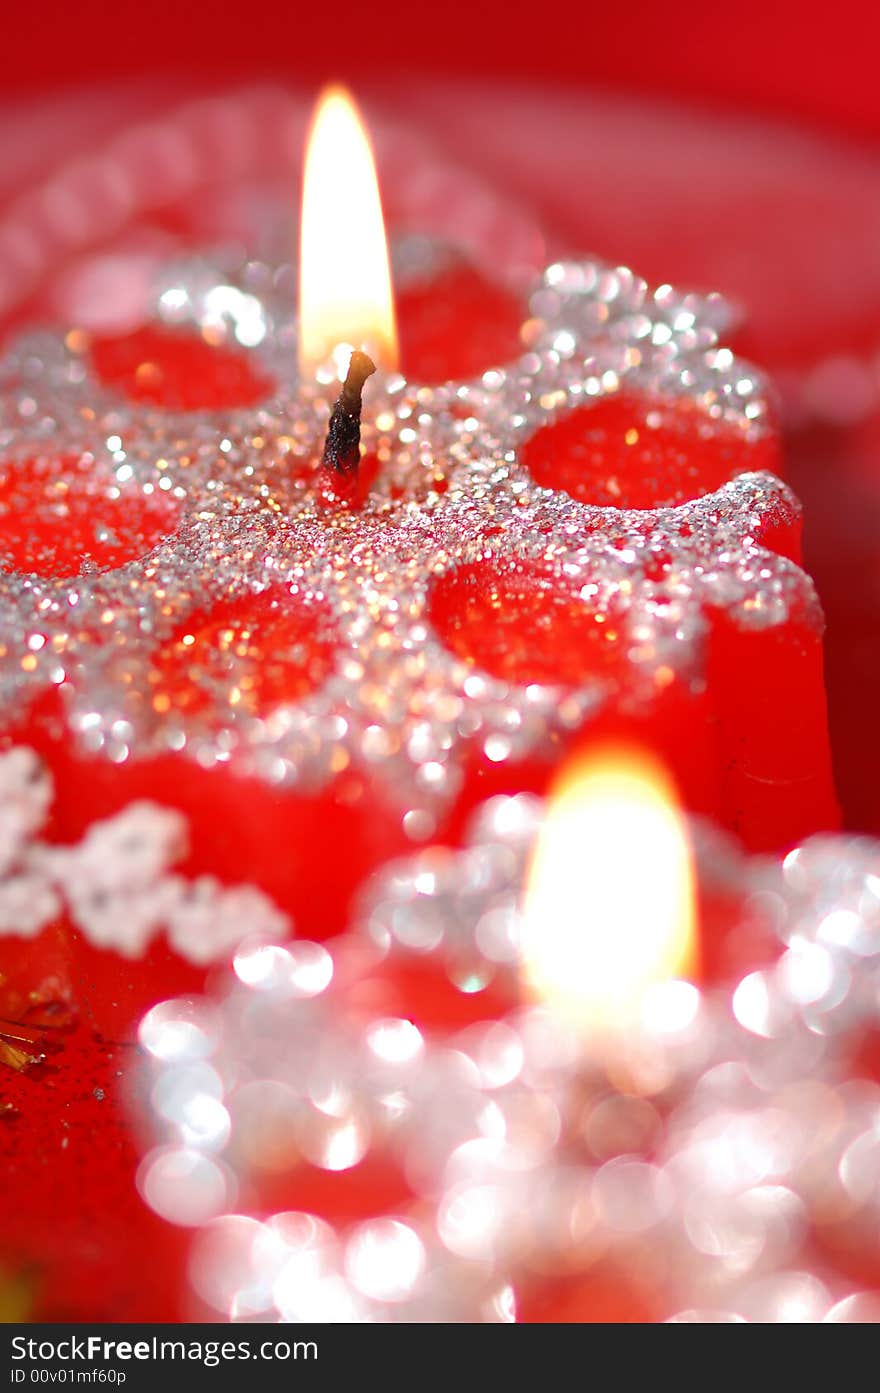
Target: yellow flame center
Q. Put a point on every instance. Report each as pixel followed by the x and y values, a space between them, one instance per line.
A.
pixel 345 295
pixel 609 907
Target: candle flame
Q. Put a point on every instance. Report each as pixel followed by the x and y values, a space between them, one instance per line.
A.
pixel 345 295
pixel 609 908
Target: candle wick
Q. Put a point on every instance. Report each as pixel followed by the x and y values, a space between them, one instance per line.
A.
pixel 342 447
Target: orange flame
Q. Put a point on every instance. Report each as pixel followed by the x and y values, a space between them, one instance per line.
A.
pixel 345 295
pixel 609 909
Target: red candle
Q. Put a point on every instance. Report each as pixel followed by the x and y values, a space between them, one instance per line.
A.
pixel 584 543
pixel 578 1159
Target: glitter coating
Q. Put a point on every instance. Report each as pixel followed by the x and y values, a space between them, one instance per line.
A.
pixel 378 689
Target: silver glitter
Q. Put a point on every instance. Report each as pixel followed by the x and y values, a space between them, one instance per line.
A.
pixel 235 489
pixel 708 1168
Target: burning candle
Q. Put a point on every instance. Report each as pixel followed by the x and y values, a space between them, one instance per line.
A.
pixel 714 1166
pixel 312 693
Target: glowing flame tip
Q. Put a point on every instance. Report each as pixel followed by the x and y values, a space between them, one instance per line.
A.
pixel 345 293
pixel 609 908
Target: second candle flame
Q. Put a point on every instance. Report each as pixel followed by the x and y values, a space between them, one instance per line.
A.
pixel 609 909
pixel 345 295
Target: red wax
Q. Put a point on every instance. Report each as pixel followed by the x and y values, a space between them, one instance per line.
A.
pixel 628 451
pixel 771 732
pixel 75 1240
pixel 749 745
pixel 521 626
pixel 177 370
pixel 431 314
pixel 288 646
pixel 56 520
pixel 309 852
pixel 517 624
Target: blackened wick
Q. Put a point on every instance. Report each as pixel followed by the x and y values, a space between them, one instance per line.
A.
pixel 342 448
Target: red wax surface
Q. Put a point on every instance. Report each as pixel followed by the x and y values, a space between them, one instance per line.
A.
pixel 836 471
pixel 76 1243
pixel 751 749
pixel 287 642
pixel 769 731
pixel 434 345
pixel 737 933
pixel 335 490
pixel 631 451
pixel 38 978
pixel 58 518
pixel 177 369
pixel 309 853
pixel 513 621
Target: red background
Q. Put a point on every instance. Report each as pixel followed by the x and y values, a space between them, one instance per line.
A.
pixel 811 61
